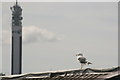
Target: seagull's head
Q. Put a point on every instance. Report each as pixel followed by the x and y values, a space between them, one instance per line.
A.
pixel 79 54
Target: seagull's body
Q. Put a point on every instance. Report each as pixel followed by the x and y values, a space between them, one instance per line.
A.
pixel 82 59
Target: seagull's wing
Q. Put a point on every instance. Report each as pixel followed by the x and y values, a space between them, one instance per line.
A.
pixel 82 59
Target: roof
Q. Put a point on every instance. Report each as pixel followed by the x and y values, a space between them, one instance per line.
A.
pixel 2 74
pixel 75 74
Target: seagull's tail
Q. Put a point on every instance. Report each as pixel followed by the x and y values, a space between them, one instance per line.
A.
pixel 89 63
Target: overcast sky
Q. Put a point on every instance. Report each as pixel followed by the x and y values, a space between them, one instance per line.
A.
pixel 53 32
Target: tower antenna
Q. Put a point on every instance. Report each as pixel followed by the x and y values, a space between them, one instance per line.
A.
pixel 16 2
pixel 16 62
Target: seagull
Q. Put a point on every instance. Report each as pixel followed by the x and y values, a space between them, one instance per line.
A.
pixel 82 59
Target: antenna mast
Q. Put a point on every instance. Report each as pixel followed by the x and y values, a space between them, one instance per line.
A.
pixel 16 2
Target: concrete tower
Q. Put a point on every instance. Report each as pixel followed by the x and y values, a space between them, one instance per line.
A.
pixel 16 67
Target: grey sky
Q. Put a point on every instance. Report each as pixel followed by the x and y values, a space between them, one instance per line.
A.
pixel 90 28
pixel 0 37
pixel 62 0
